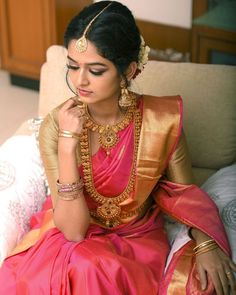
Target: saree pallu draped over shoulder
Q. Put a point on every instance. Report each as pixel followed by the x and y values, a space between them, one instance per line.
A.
pixel 130 258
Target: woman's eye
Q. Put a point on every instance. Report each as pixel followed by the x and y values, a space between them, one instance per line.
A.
pixel 96 73
pixel 70 67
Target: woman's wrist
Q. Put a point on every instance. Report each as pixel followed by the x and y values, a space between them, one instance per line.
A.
pixel 199 236
pixel 68 134
pixel 67 145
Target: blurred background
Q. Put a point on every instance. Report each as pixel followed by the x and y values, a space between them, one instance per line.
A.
pixel 200 31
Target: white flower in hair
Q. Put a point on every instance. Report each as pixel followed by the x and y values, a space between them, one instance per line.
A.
pixel 143 54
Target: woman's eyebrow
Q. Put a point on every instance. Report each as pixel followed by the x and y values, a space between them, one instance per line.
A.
pixel 90 64
pixel 71 59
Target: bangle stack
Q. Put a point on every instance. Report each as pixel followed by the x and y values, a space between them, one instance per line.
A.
pixel 68 134
pixel 205 247
pixel 70 191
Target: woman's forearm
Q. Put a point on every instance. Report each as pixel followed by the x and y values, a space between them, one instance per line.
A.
pixel 71 217
pixel 199 236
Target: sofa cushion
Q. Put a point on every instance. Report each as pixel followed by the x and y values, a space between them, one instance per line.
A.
pixel 209 95
pixel 201 174
pixel 53 87
pixel 222 188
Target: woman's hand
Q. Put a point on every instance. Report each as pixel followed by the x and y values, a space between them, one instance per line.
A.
pixel 71 118
pixel 217 265
pixel 220 268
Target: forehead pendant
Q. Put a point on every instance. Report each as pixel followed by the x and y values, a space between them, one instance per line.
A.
pixel 82 43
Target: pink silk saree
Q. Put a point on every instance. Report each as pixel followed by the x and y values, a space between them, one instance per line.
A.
pixel 128 259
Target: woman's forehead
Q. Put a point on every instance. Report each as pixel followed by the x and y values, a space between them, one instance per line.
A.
pixel 91 54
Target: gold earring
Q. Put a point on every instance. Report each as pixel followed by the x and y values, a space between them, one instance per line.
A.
pixel 126 97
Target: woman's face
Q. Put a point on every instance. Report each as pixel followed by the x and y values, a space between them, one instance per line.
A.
pixel 95 78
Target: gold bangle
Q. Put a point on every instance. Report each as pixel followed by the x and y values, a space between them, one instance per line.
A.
pixel 205 247
pixel 68 134
pixel 204 250
pixel 203 244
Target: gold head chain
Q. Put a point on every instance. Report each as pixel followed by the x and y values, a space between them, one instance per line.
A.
pixel 82 43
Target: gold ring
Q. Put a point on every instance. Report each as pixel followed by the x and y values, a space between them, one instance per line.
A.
pixel 228 273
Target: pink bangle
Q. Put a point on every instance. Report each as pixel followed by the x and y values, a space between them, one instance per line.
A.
pixel 70 191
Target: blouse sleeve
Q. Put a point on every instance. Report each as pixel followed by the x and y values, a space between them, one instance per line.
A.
pixel 48 145
pixel 179 169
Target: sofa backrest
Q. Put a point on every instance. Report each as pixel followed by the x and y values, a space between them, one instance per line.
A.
pixel 209 95
pixel 208 92
pixel 53 88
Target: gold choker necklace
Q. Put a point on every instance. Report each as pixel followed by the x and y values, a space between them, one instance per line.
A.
pixel 109 210
pixel 108 136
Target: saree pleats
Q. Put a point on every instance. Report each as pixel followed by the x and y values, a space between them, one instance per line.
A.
pixel 124 261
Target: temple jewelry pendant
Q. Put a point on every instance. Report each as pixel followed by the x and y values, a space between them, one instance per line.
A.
pixel 108 138
pixel 109 211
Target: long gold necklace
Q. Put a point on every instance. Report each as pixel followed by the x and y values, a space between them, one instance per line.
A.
pixel 108 136
pixel 109 210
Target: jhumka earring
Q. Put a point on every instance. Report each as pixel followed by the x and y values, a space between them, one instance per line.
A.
pixel 82 43
pixel 126 98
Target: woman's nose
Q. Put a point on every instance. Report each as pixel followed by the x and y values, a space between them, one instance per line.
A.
pixel 82 78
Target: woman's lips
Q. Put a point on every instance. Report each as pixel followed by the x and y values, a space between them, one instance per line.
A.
pixel 83 92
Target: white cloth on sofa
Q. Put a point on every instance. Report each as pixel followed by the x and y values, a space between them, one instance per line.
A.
pixel 22 189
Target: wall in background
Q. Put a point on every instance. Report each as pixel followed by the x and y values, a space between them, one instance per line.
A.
pixel 168 12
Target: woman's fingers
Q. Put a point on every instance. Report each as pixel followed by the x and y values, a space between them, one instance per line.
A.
pixel 69 104
pixel 230 269
pixel 224 281
pixel 231 281
pixel 203 277
pixel 73 104
pixel 71 116
pixel 232 265
pixel 217 283
pixel 76 112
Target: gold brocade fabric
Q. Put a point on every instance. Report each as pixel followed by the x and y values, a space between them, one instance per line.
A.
pixel 179 168
pixel 161 128
pixel 181 273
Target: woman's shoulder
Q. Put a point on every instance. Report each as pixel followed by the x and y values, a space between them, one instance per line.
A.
pixel 167 103
pixel 165 98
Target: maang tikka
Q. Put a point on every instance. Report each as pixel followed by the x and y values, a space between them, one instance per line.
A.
pixel 82 43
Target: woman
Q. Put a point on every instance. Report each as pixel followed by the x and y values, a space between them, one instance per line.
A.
pixel 108 154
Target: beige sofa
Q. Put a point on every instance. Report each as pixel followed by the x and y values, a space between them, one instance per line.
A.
pixel 209 94
pixel 208 91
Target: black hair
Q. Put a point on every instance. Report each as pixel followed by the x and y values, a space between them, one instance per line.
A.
pixel 114 33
